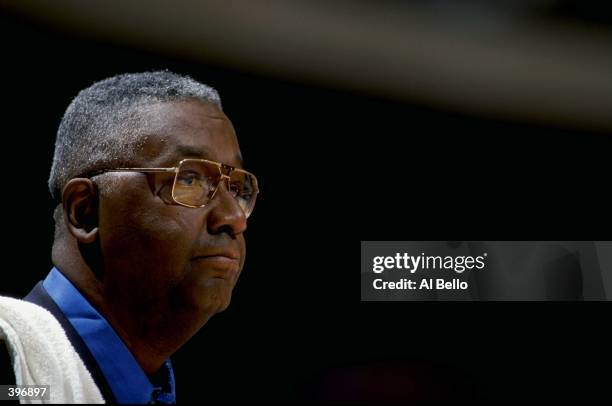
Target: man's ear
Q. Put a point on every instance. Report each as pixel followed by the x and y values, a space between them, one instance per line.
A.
pixel 80 204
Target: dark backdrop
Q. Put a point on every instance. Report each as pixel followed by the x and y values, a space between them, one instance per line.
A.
pixel 337 168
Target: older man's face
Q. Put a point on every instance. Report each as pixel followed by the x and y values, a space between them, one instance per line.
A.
pixel 162 258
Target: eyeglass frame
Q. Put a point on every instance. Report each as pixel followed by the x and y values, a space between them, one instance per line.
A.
pixel 228 169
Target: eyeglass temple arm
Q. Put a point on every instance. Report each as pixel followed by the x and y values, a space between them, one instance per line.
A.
pixel 164 170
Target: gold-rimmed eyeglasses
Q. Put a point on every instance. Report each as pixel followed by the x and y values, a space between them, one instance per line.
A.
pixel 196 182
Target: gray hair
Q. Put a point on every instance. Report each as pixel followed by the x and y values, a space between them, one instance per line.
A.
pixel 100 127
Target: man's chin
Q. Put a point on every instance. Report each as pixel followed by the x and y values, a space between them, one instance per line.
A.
pixel 203 296
pixel 214 297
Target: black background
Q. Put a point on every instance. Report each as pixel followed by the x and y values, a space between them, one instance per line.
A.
pixel 336 168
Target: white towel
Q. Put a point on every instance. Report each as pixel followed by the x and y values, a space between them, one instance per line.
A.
pixel 42 354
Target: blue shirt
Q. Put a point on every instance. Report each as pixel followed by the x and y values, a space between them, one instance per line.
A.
pixel 125 377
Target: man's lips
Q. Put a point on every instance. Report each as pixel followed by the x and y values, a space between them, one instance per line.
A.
pixel 230 255
pixel 227 263
pixel 220 258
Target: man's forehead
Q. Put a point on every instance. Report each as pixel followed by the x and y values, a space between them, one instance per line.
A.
pixel 174 130
pixel 181 151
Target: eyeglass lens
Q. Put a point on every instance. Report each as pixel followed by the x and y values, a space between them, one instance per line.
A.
pixel 196 182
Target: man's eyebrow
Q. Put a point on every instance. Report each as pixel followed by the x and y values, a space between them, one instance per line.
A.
pixel 183 151
pixel 193 152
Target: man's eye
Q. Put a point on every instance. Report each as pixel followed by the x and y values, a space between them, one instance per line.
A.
pixel 188 178
pixel 240 190
pixel 235 188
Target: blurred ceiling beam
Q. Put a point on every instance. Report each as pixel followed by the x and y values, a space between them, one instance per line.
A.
pixel 545 73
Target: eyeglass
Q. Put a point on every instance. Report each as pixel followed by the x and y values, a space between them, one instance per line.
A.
pixel 196 182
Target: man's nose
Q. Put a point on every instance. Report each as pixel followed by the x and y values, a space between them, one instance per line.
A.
pixel 225 213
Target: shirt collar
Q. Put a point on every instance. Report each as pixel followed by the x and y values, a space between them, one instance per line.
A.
pixel 126 378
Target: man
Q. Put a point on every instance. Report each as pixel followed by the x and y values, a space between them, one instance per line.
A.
pixel 149 243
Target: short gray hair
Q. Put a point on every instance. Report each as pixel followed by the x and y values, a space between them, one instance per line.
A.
pixel 100 127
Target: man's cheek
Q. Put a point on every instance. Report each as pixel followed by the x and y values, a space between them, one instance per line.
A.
pixel 243 250
pixel 184 219
pixel 166 235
